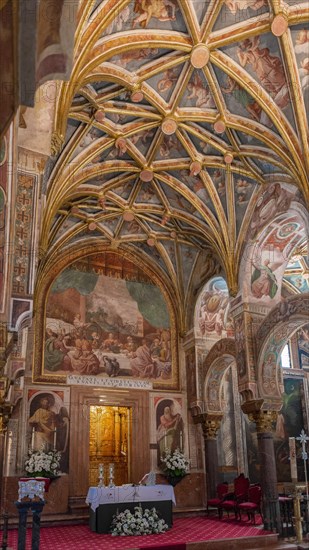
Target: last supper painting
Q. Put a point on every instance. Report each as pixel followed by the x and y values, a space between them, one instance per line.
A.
pixel 105 317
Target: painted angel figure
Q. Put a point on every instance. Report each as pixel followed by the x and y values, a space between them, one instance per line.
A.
pixel 241 95
pixel 135 56
pixel 235 5
pixel 302 42
pixel 304 73
pixel 200 93
pixel 120 20
pixel 163 10
pixel 169 79
pixel 268 68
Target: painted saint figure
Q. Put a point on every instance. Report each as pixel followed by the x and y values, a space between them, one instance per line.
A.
pixel 44 421
pixel 263 281
pixel 169 431
pixel 142 364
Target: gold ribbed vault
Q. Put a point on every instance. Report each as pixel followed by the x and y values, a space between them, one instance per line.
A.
pixel 177 117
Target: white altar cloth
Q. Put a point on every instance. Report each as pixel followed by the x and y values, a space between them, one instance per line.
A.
pixel 137 493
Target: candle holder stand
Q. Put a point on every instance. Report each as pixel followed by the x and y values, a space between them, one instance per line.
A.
pixel 111 475
pixel 101 476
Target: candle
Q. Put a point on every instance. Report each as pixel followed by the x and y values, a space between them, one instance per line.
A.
pixel 32 438
pixel 181 441
pixel 55 439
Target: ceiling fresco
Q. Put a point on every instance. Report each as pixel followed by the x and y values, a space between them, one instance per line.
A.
pixel 177 118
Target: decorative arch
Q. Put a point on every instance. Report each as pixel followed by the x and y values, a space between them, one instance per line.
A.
pixel 219 358
pixel 213 384
pixel 279 325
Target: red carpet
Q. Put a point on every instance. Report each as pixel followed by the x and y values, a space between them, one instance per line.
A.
pixel 79 537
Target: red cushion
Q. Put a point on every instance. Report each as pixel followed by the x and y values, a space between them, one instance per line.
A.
pixel 213 501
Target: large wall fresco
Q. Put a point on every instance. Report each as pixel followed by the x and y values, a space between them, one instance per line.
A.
pixel 290 422
pixel 106 318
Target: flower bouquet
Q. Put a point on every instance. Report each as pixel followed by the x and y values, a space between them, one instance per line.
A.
pixel 174 465
pixel 139 522
pixel 42 463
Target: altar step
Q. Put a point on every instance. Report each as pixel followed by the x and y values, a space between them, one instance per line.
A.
pixel 50 520
pixel 267 542
pixel 78 506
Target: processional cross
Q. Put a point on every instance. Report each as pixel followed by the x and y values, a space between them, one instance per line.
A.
pixel 303 438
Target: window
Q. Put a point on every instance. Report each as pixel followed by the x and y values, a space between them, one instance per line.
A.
pixel 285 357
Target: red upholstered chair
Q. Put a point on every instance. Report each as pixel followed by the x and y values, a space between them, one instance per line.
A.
pixel 253 504
pixel 232 500
pixel 222 490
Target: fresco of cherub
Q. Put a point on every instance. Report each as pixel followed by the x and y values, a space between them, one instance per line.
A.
pixel 169 79
pixel 235 5
pixel 163 10
pixel 200 93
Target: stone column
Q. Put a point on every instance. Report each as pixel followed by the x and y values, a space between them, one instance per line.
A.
pixel 210 425
pixel 265 420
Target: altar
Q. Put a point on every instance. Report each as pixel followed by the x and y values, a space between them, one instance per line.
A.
pixel 106 501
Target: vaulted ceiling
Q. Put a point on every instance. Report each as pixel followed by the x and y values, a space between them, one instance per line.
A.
pixel 177 117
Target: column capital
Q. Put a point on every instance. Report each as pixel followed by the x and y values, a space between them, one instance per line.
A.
pixel 210 424
pixel 264 420
pixel 258 411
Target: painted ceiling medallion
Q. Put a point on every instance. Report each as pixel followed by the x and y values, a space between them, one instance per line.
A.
pixel 99 116
pixel 279 25
pixel 219 126
pixel 195 168
pixel 92 226
pixel 169 126
pixel 199 56
pixel 173 234
pixel 121 144
pixel 137 96
pixel 165 219
pixel 75 210
pixel 102 202
pixel 228 157
pixel 151 241
pixel 146 175
pixel 128 216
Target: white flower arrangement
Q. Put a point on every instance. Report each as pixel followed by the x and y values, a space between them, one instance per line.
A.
pixel 42 463
pixel 175 464
pixel 139 522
